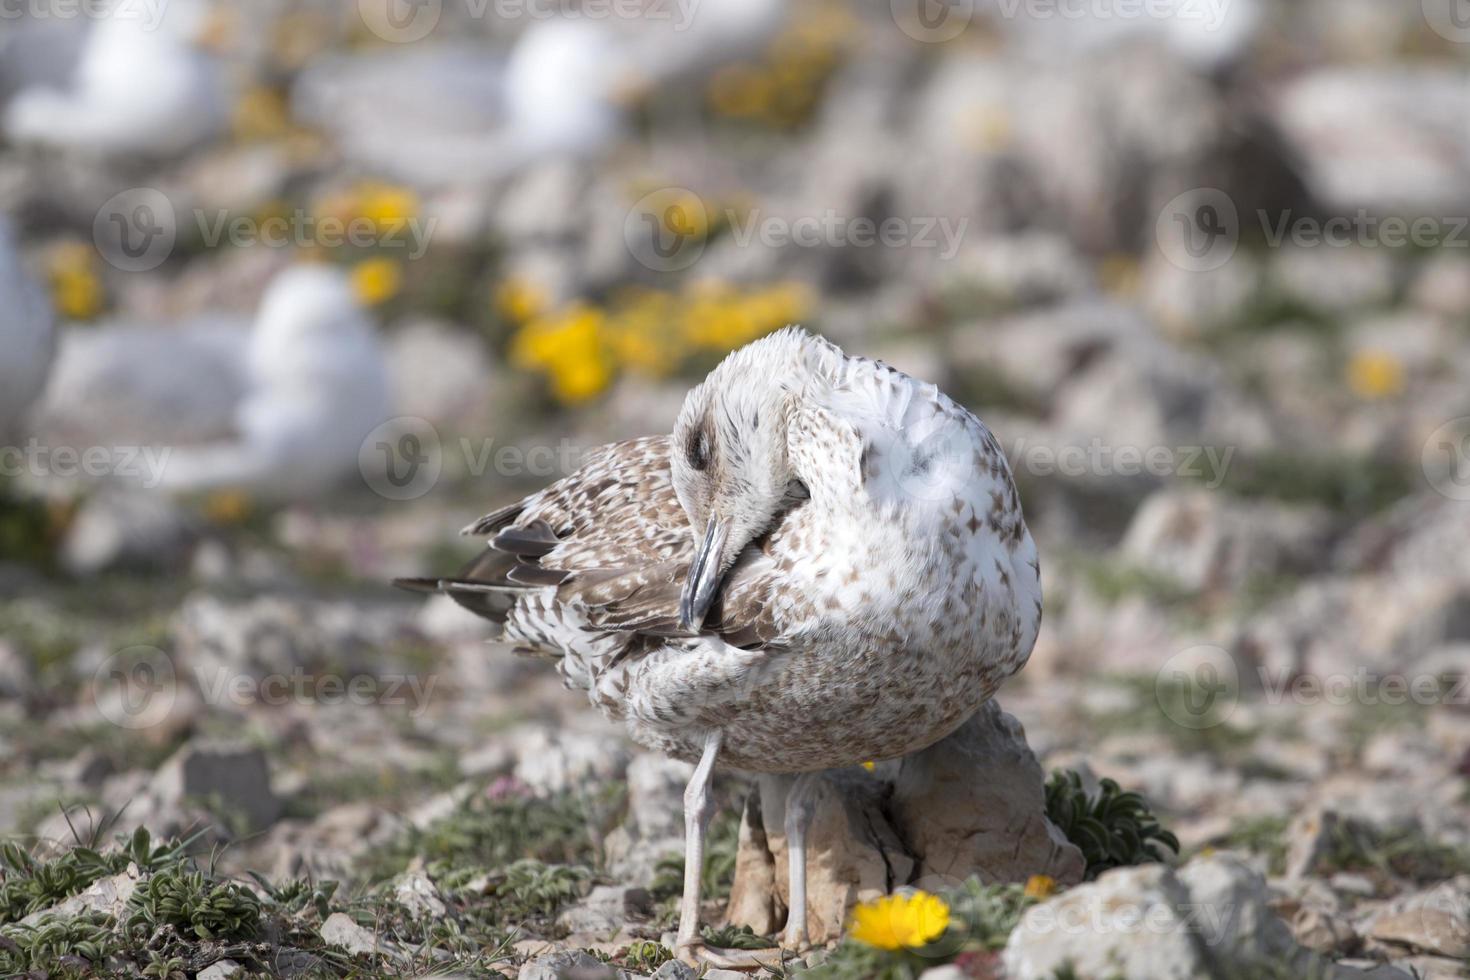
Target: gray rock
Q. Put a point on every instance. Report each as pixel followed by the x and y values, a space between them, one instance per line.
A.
pixel 675 970
pixel 571 964
pixel 415 892
pixel 606 909
pixel 1389 139
pixel 1205 541
pixel 109 895
pixel 1436 921
pixel 1131 922
pixel 339 930
pixel 1310 838
pixel 131 530
pixel 1210 919
pixel 235 778
pixel 222 970
pixel 555 761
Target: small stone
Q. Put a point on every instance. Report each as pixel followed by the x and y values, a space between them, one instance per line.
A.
pixel 418 895
pixel 1309 839
pixel 568 964
pixel 1429 930
pixel 606 910
pixel 675 970
pixel 234 777
pixel 127 530
pixel 223 970
pixel 109 895
pixel 340 930
pixel 1322 932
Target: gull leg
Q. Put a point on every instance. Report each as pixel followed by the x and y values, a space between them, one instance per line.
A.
pixel 800 804
pixel 698 807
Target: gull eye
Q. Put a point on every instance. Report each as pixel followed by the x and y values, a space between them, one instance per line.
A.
pixel 697 450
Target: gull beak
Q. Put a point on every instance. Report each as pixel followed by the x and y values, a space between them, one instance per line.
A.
pixel 704 576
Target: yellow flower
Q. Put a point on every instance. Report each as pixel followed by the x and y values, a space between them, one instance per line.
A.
pixel 900 921
pixel 568 347
pixel 1041 886
pixel 870 765
pixel 261 114
pixel 386 207
pixel 376 281
pixel 228 507
pixel 76 288
pixel 519 300
pixel 1375 374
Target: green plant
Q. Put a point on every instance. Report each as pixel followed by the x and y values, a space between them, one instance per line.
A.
pixel 983 916
pixel 194 905
pixel 731 937
pixel 722 844
pixel 1113 829
pixel 646 956
pixel 56 940
pixel 532 889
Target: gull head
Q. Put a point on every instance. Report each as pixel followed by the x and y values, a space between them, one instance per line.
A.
pixel 728 456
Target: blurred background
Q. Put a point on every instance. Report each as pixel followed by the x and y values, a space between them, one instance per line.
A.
pixel 292 290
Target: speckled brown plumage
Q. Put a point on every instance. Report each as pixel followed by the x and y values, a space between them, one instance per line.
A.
pixel 872 613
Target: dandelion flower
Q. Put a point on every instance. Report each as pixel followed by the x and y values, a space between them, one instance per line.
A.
pixel 1041 887
pixel 376 281
pixel 1375 374
pixel 904 921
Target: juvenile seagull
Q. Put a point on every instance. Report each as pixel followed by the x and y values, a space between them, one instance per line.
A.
pixel 826 563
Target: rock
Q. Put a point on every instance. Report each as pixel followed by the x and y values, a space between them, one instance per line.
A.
pixel 340 930
pixel 109 895
pixel 1323 932
pixel 1391 140
pixel 1428 930
pixel 234 778
pixel 282 638
pixel 1210 919
pixel 129 530
pixel 15 672
pixel 675 970
pixel 1310 838
pixel 556 761
pixel 971 804
pixel 1130 922
pixel 222 970
pixel 571 964
pixel 415 892
pixel 753 893
pixel 606 909
pixel 1433 922
pixel 1205 541
pixel 974 803
pixel 441 374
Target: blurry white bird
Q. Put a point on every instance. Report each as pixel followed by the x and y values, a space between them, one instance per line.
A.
pixel 316 386
pixel 1207 35
pixel 26 338
pixel 141 87
pixel 452 112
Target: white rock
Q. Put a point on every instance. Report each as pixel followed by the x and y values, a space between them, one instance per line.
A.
pixel 223 970
pixel 340 930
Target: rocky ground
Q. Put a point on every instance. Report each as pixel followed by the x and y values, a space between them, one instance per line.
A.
pixel 228 748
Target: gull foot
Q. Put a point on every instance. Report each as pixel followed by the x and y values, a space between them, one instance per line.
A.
pixel 699 953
